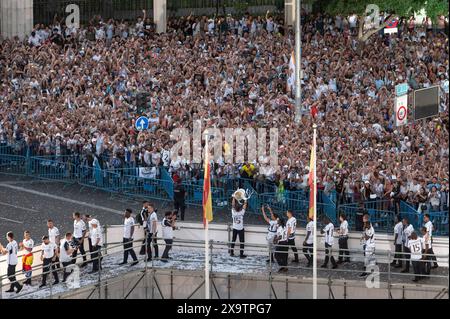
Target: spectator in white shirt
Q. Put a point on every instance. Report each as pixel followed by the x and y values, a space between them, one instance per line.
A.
pixel 34 39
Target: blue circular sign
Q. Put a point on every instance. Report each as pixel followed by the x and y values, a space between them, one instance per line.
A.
pixel 141 123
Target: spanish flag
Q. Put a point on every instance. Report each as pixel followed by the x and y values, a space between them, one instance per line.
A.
pixel 207 200
pixel 312 176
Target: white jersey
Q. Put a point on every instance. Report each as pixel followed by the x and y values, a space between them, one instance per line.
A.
pixel 28 243
pixel 128 223
pixel 79 227
pixel 426 240
pixel 167 229
pixel 151 219
pixel 282 233
pixel 12 249
pixel 429 226
pixel 63 255
pixel 96 234
pixel 329 239
pixel 272 230
pixel 238 219
pixel 48 250
pixel 407 231
pixel 310 228
pixel 415 245
pixel 398 229
pixel 370 233
pixel 52 234
pixel 343 228
pixel 292 224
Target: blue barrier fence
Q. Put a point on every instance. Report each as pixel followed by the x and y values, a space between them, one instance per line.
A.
pixel 126 181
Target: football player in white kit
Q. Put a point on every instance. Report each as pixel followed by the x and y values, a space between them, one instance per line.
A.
pixel 291 226
pixel 329 241
pixel 429 226
pixel 237 212
pixel 271 231
pixel 309 241
pixel 368 239
pixel 27 258
pixel 415 247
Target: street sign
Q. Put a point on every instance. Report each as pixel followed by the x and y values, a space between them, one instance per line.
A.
pixel 401 110
pixel 401 89
pixel 391 26
pixel 141 123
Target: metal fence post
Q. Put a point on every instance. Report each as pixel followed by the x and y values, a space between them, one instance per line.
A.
pixel 105 229
pixel 389 274
pixel 99 274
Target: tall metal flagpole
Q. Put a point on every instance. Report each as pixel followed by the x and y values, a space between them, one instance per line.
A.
pixel 207 290
pixel 315 218
pixel 298 57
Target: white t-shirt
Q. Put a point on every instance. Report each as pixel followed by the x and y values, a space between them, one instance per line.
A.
pixel 415 245
pixel 329 239
pixel 343 227
pixel 429 226
pixel 398 229
pixel 310 228
pixel 426 240
pixel 370 233
pixel 48 250
pixel 282 233
pixel 167 229
pixel 78 227
pixel 12 249
pixel 272 229
pixel 238 219
pixel 96 234
pixel 406 233
pixel 292 224
pixel 128 223
pixel 152 218
pixel 63 255
pixel 52 234
pixel 28 243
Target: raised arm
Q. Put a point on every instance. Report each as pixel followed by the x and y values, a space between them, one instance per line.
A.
pixel 264 214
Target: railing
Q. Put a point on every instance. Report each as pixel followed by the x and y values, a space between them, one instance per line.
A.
pixel 126 181
pixel 189 255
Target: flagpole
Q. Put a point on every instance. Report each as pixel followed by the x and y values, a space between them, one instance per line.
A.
pixel 315 218
pixel 206 227
pixel 207 290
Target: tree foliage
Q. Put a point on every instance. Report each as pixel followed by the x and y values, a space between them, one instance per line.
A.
pixel 398 7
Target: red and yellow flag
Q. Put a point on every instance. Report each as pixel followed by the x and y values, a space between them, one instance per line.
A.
pixel 312 189
pixel 207 199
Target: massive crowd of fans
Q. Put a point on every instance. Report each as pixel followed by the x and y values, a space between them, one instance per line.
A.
pixel 67 91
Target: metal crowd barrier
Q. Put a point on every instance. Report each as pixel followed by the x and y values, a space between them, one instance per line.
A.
pixel 70 169
pixel 219 248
